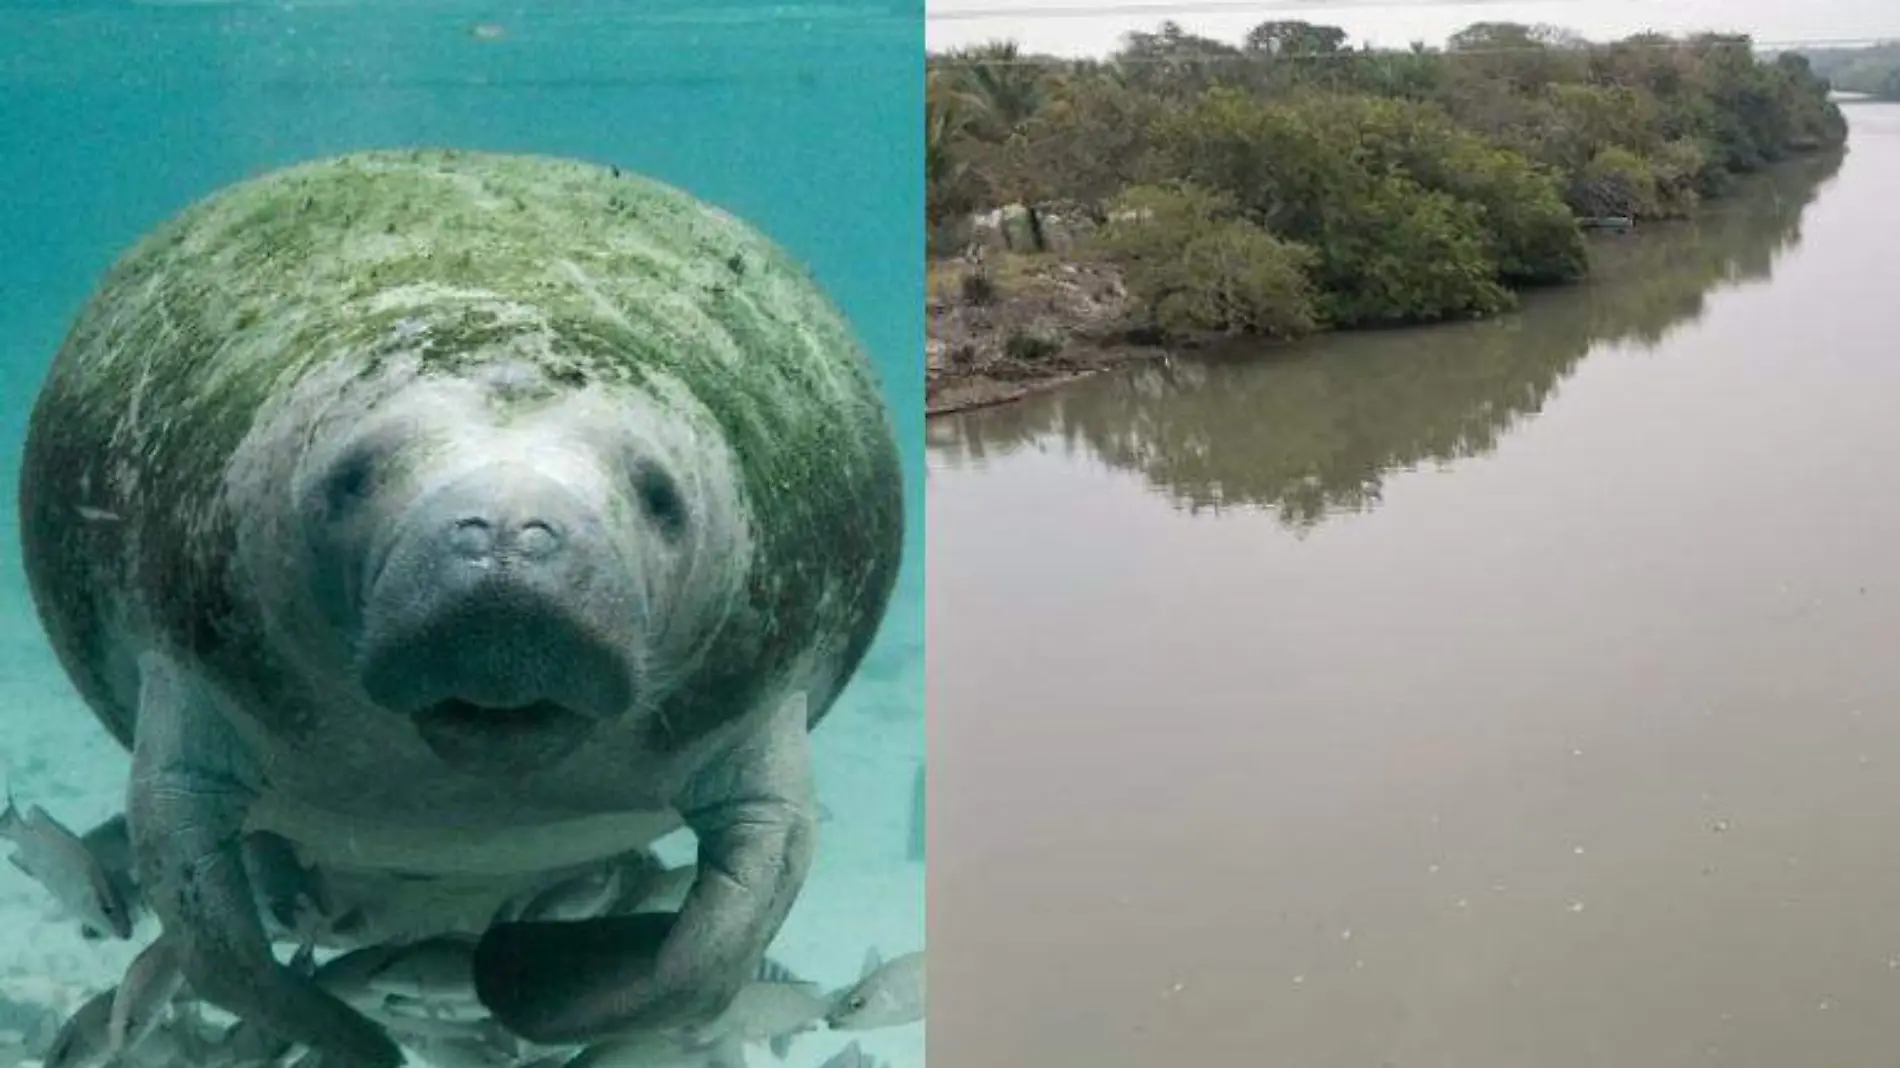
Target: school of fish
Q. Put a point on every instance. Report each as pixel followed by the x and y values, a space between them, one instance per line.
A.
pixel 421 988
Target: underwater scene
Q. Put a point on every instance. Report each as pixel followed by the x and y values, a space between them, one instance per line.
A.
pixel 461 563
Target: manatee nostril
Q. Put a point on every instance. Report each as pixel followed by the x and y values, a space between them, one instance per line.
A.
pixel 472 538
pixel 537 539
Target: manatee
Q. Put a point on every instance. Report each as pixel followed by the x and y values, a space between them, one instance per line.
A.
pixel 461 513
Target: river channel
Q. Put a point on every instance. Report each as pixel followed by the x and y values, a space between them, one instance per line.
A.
pixel 1515 694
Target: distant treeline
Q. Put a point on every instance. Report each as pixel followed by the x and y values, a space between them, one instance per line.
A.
pixel 1291 183
pixel 1874 70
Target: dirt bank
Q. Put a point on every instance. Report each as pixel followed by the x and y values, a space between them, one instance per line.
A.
pixel 1012 324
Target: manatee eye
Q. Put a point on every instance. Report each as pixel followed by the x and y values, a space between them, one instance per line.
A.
pixel 350 481
pixel 660 498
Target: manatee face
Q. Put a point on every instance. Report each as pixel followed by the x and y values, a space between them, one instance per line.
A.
pixel 500 559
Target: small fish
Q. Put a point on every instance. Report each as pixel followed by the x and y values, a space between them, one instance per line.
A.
pixel 347 975
pixel 187 1040
pixel 244 1045
pixel 352 922
pixel 435 971
pixel 96 515
pixel 308 1058
pixel 774 1008
pixel 288 891
pixel 432 969
pixel 486 1031
pixel 150 983
pixel 304 961
pixel 887 994
pixel 727 1054
pixel 81 1041
pixel 163 1048
pixel 650 1049
pixel 471 1051
pixel 110 843
pixel 669 889
pixel 852 1056
pixel 58 860
pixel 578 897
pixel 455 1014
pixel 641 873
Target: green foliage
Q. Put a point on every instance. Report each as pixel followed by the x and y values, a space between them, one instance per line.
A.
pixel 1527 230
pixel 1090 141
pixel 1874 71
pixel 978 288
pixel 1616 181
pixel 1678 166
pixel 1407 254
pixel 951 184
pixel 1394 185
pixel 1292 38
pixel 1411 218
pixel 1031 347
pixel 1194 265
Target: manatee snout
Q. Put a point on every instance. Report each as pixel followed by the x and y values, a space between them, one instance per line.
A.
pixel 503 620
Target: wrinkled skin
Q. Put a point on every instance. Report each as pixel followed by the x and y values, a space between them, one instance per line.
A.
pixel 466 515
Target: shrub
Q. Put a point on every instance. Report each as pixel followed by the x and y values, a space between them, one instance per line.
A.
pixel 1616 181
pixel 978 287
pixel 1192 264
pixel 1030 347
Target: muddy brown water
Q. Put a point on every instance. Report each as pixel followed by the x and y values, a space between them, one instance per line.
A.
pixel 1522 694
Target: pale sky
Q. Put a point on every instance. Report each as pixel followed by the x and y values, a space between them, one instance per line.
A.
pixel 1094 32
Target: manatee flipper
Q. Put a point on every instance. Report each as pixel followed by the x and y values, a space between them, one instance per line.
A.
pixel 111 845
pixel 754 814
pixel 185 807
pixel 294 895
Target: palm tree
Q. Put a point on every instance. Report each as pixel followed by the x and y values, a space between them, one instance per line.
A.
pixel 1006 89
pixel 1007 86
pixel 948 113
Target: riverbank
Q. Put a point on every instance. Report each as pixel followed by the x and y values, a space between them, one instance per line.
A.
pixel 1021 323
pixel 1033 322
pixel 1036 321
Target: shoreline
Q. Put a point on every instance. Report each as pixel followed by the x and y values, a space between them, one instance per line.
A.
pixel 1076 309
pixel 975 392
pixel 1043 321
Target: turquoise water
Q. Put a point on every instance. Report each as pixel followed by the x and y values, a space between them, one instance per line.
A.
pixel 802 120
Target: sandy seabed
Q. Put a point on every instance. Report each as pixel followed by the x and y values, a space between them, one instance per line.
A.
pixel 863 890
